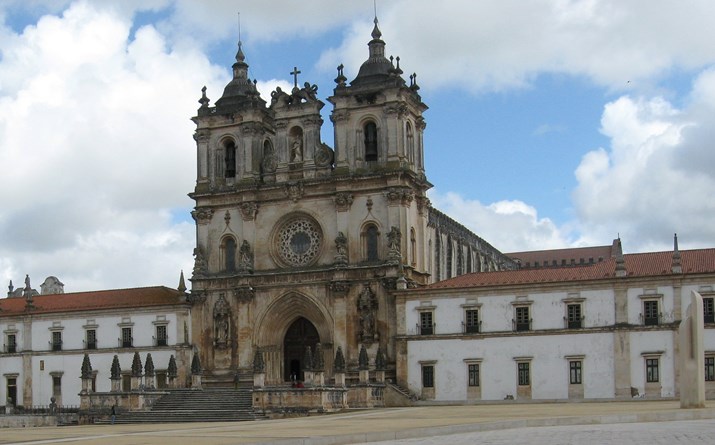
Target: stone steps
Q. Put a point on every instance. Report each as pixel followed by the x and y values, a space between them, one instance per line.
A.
pixel 188 405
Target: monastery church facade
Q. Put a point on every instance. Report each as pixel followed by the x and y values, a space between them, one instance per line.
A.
pixel 299 244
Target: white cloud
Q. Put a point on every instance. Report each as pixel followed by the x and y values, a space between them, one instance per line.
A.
pixel 97 150
pixel 656 178
pixel 496 45
pixel 509 226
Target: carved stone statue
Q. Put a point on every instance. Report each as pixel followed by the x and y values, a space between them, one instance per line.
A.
pixel 324 155
pixel 245 257
pixel 341 249
pixel 367 310
pixel 296 150
pixel 222 326
pixel 394 238
pixel 200 265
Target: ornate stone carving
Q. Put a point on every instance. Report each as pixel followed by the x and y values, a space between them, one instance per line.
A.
pixel 86 371
pixel 116 371
pixel 136 365
pixel 294 190
pixel 340 287
pixel 251 129
pixel 399 196
pixel 227 217
pixel 367 310
pixel 245 257
pixel 244 294
pixel 259 365
pixel 318 359
pixel 338 116
pixel 299 242
pixel 389 283
pixel 196 297
pixel 394 239
pixel 202 135
pixel 363 360
pixel 423 203
pixel 391 110
pixel 341 249
pixel 343 201
pixel 324 156
pixel 222 322
pixel 248 210
pixel 149 366
pixel 380 361
pixel 279 98
pixel 368 204
pixel 200 265
pixel 202 215
pixel 269 164
pixel 296 149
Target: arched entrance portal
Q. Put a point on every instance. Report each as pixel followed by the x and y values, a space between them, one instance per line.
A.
pixel 300 335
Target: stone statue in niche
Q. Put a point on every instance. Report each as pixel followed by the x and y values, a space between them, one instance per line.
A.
pixel 341 249
pixel 296 149
pixel 367 310
pixel 394 238
pixel 222 323
pixel 245 257
pixel 200 265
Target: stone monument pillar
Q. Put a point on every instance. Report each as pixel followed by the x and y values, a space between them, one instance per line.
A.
pixel 86 375
pixel 137 375
pixel 692 355
pixel 116 375
pixel 339 367
pixel 196 372
pixel 363 366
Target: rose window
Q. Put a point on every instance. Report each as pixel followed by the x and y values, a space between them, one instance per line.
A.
pixel 299 242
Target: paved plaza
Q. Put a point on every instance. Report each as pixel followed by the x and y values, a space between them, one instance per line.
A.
pixel 633 422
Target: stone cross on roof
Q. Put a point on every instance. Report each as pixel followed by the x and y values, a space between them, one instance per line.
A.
pixel 295 73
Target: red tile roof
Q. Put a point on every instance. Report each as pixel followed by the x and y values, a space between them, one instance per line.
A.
pixel 140 297
pixel 636 264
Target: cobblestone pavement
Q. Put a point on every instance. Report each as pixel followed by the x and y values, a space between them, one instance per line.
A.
pixel 691 432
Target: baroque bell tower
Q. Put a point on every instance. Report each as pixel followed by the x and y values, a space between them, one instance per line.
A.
pixel 299 245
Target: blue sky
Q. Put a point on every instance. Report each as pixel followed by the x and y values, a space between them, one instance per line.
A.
pixel 552 123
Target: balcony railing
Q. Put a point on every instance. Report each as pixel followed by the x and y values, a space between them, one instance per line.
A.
pixel 651 320
pixel 521 325
pixel 161 341
pixel 56 345
pixel 90 344
pixel 426 329
pixel 573 323
pixel 9 349
pixel 471 328
pixel 126 343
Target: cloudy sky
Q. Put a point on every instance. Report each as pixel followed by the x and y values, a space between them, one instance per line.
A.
pixel 552 123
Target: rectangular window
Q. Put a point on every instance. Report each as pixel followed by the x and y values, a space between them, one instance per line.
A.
pixel 56 385
pixel 651 370
pixel 428 376
pixel 709 310
pixel 12 390
pixel 91 339
pixel 573 316
pixel 127 338
pixel 710 369
pixel 650 312
pixel 524 377
pixel 522 318
pixel 426 324
pixel 11 344
pixel 575 372
pixel 471 321
pixel 473 372
pixel 57 341
pixel 161 335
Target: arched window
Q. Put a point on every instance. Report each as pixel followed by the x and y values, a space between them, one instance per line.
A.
pixel 230 159
pixel 371 236
pixel 410 143
pixel 370 131
pixel 229 254
pixel 413 246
